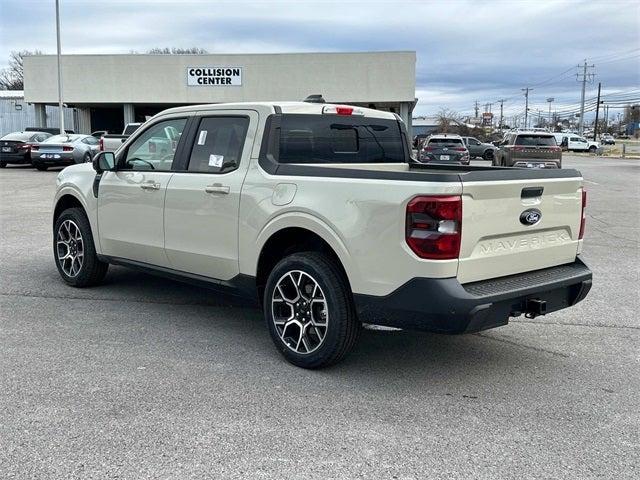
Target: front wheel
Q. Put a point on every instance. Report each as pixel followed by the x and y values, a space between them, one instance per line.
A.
pixel 74 250
pixel 488 155
pixel 592 149
pixel 3 164
pixel 309 310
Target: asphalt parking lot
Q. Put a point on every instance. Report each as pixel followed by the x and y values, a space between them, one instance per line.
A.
pixel 148 378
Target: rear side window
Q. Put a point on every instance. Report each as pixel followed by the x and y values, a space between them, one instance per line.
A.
pixel 536 140
pixel 129 129
pixel 218 144
pixel 340 139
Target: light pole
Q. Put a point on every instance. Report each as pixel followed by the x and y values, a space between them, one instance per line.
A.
pixel 550 99
pixel 59 70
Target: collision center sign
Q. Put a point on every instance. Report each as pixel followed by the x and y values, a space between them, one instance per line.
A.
pixel 214 76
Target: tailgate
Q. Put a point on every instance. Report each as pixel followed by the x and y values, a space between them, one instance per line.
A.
pixel 497 242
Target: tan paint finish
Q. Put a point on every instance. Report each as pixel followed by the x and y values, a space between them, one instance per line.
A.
pixel 363 220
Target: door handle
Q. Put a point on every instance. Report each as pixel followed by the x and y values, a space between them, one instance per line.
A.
pixel 217 188
pixel 150 185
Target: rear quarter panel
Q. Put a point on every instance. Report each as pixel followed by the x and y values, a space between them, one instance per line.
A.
pixel 363 220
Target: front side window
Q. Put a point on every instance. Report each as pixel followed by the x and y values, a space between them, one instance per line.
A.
pixel 340 139
pixel 218 144
pixel 155 148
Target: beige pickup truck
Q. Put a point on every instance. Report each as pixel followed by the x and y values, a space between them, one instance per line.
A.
pixel 318 214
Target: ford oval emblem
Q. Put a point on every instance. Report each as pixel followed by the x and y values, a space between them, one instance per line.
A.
pixel 530 216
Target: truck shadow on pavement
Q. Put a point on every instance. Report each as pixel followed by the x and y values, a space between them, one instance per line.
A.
pixel 393 356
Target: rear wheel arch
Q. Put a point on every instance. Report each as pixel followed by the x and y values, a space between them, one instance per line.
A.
pixel 288 241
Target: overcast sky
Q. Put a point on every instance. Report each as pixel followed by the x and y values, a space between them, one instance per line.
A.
pixel 466 50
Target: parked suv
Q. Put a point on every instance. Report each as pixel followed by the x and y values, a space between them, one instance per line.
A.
pixel 444 148
pixel 478 149
pixel 530 150
pixel 318 214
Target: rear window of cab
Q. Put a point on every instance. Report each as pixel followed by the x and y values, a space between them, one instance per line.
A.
pixel 536 140
pixel 340 139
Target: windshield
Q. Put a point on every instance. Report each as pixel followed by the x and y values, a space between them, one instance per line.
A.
pixel 18 136
pixel 62 139
pixel 130 129
pixel 340 139
pixel 536 140
pixel 445 142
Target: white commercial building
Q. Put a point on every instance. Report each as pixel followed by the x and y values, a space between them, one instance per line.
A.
pixel 111 90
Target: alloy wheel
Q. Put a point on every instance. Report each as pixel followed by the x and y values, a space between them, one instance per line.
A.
pixel 70 248
pixel 300 312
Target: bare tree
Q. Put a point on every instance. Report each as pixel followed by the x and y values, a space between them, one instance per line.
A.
pixel 12 77
pixel 446 119
pixel 177 51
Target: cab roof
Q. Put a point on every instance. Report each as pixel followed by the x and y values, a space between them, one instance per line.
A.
pixel 286 107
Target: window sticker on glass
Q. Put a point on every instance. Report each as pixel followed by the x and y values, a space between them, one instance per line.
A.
pixel 216 160
pixel 202 137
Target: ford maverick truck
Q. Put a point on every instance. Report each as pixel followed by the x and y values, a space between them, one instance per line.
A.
pixel 319 214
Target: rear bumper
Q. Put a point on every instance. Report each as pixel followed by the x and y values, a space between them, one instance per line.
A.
pixel 535 163
pixel 63 159
pixel 445 306
pixel 18 158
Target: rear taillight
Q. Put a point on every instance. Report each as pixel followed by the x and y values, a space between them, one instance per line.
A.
pixel 434 226
pixel 428 149
pixel 35 148
pixel 460 149
pixel 584 214
pixel 101 144
pixel 67 149
pixel 24 146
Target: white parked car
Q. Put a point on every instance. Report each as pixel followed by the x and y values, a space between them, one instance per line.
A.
pixel 575 143
pixel 319 214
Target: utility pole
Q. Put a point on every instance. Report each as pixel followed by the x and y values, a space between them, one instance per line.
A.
pixel 585 77
pixel 476 109
pixel 60 104
pixel 501 117
pixel 595 127
pixel 550 99
pixel 526 105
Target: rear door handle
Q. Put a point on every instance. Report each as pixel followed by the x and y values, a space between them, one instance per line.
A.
pixel 150 185
pixel 217 188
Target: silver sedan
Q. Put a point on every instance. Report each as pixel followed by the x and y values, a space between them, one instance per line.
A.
pixel 63 150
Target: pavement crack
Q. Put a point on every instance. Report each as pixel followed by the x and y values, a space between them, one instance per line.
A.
pixel 125 300
pixel 523 345
pixel 572 324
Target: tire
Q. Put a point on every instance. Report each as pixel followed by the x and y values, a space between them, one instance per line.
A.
pixel 72 234
pixel 488 155
pixel 320 280
pixel 86 158
pixel 3 164
pixel 593 149
pixel 41 167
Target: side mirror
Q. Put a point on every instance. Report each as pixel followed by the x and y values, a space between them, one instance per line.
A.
pixel 104 162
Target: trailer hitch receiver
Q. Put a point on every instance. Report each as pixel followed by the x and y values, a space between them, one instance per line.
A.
pixel 535 307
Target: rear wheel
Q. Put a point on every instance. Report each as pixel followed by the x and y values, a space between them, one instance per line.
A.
pixel 309 310
pixel 592 149
pixel 488 155
pixel 74 250
pixel 87 157
pixel 41 167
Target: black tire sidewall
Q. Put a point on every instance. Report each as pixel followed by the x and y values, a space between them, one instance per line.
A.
pixel 91 270
pixel 337 296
